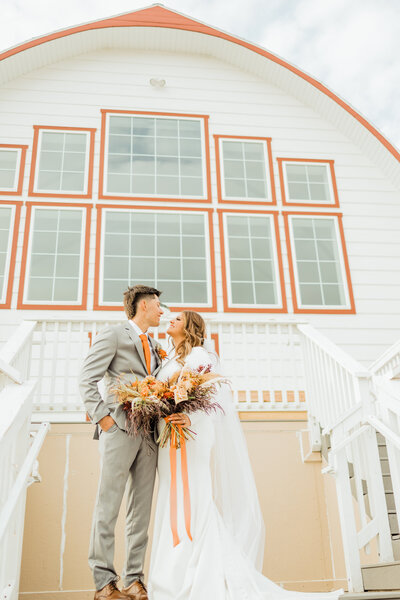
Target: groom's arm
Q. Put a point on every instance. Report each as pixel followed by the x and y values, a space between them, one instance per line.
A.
pixel 93 370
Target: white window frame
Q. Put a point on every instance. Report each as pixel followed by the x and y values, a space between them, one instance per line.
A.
pixel 269 198
pixel 3 297
pixel 341 262
pixel 302 163
pixel 79 300
pixel 72 193
pixel 14 188
pixel 207 240
pixel 141 195
pixel 279 305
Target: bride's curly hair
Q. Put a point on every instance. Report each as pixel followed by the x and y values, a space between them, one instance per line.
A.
pixel 194 329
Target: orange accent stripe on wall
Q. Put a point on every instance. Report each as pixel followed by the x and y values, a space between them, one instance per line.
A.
pixel 158 16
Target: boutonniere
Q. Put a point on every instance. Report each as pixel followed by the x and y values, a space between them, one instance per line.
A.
pixel 161 353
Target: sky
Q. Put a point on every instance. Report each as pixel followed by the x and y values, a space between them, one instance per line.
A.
pixel 352 46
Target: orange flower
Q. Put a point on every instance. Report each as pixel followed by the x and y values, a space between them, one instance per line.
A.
pixel 161 353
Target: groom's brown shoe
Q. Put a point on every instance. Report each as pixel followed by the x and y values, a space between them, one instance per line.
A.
pixel 110 592
pixel 136 591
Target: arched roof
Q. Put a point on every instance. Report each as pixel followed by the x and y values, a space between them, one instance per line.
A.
pixel 160 27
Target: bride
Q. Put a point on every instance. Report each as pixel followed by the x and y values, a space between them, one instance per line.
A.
pixel 223 559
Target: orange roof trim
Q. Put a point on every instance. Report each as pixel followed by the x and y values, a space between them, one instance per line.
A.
pixel 159 16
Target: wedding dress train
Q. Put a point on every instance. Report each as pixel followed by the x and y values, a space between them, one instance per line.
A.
pixel 223 561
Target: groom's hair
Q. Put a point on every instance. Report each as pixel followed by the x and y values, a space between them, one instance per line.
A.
pixel 133 295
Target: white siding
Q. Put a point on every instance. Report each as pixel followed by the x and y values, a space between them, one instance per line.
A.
pixel 72 92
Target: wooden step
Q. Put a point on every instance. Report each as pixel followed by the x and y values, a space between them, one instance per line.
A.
pixel 382 451
pixel 394 527
pixel 381 577
pixel 370 596
pixel 396 547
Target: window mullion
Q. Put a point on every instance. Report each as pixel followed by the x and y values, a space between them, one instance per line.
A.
pixel 318 261
pixel 251 261
pixel 55 256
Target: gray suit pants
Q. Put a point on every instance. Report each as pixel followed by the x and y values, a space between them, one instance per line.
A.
pixel 124 461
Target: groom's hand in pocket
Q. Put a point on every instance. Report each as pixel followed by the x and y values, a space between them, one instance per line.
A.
pixel 106 422
pixel 180 419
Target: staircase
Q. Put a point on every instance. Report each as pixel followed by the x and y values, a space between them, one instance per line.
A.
pixel 380 581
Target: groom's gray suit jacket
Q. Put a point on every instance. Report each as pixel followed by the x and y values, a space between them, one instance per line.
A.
pixel 116 351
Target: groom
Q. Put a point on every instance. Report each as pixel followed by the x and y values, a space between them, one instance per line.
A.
pixel 121 349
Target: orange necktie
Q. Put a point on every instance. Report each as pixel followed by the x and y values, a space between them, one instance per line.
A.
pixel 147 353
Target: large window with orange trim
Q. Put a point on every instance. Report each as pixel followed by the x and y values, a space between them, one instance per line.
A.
pixel 62 162
pixel 12 160
pixel 244 169
pixel 7 218
pixel 55 256
pixel 166 249
pixel 253 274
pixel 308 182
pixel 154 156
pixel 318 262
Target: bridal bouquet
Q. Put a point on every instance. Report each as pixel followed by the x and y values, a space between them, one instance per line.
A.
pixel 190 390
pixel 147 400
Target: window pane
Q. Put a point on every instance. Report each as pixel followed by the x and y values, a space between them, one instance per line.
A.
pixel 242 293
pixel 154 156
pixel 5 235
pixel 113 290
pixel 245 170
pixel 318 262
pixel 62 162
pixel 253 272
pixel 195 293
pixel 7 179
pixel 308 183
pixel 55 258
pixel 156 252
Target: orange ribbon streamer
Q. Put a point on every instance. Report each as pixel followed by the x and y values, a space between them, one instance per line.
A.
pixel 185 481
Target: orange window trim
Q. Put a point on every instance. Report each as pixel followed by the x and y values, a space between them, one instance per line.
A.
pixel 209 211
pixel 36 130
pixel 104 196
pixel 21 305
pixel 287 202
pixel 23 149
pixel 222 200
pixel 11 270
pixel 227 307
pixel 296 308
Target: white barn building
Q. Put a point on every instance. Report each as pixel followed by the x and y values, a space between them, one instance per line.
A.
pixel 151 148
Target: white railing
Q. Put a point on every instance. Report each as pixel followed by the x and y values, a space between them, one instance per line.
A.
pixel 388 364
pixel 18 465
pixel 262 359
pixel 350 404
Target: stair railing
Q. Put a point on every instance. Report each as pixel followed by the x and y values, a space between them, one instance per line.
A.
pixel 18 465
pixel 341 402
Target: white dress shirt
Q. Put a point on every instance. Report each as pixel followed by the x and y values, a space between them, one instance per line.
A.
pixel 152 353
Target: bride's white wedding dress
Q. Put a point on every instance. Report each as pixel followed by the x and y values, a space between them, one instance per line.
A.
pixel 223 561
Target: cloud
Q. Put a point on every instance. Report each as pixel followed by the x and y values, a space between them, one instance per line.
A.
pixel 351 46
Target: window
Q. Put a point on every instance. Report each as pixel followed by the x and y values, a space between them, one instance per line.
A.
pixel 168 250
pixel 12 162
pixel 154 156
pixel 62 162
pixel 253 273
pixel 318 262
pixel 7 217
pixel 244 169
pixel 308 182
pixel 55 253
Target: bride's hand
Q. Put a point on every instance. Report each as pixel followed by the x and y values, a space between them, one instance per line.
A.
pixel 180 419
